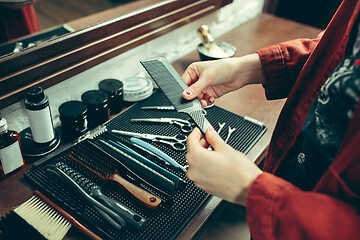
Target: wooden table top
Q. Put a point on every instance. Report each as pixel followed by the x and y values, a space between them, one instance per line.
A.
pixel 255 34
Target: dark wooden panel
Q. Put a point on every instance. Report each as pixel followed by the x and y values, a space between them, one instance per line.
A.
pixel 61 58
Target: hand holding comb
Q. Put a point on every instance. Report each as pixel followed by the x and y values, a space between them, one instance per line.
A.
pixel 146 198
pixel 170 82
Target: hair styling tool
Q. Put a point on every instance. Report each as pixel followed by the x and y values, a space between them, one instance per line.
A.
pixel 34 219
pixel 75 223
pixel 142 169
pixel 137 148
pixel 184 125
pixel 112 210
pixel 92 133
pixel 177 142
pixel 88 135
pixel 170 82
pixel 148 163
pixel 115 156
pixel 168 108
pixel 155 150
pixel 108 215
pixel 146 198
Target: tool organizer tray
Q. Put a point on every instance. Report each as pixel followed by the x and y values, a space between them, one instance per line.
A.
pixel 176 209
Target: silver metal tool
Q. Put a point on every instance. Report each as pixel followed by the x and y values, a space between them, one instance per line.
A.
pixel 177 142
pixel 158 108
pixel 221 125
pixel 231 130
pixel 184 124
pixel 166 108
pixel 172 85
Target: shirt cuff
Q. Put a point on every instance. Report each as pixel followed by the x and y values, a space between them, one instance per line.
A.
pixel 261 204
pixel 273 67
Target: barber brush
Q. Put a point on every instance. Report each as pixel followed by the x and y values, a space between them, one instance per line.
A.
pixel 34 219
pixel 108 173
pixel 40 218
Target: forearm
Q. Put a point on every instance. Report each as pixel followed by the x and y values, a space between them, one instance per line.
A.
pixel 247 69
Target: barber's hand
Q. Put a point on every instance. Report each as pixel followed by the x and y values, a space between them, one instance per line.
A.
pixel 212 79
pixel 223 172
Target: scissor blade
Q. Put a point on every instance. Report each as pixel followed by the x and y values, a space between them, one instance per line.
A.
pixel 161 120
pixel 158 108
pixel 150 120
pixel 133 134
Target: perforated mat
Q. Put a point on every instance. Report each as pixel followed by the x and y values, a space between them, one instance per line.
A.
pixel 177 208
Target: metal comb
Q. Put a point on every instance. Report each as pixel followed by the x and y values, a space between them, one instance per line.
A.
pixel 170 82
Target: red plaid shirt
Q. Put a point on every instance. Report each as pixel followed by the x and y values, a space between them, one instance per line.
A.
pixel 275 208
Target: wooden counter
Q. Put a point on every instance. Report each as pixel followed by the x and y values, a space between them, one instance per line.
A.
pixel 259 32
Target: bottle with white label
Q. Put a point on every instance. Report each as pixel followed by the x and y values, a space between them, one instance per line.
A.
pixel 10 151
pixel 39 114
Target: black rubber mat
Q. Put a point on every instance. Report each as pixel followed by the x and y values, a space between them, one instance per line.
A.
pixel 177 208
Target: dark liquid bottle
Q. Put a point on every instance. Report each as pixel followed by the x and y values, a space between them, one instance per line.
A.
pixel 10 152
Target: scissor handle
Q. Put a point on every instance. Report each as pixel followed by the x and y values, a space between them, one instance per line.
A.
pixel 186 128
pixel 180 137
pixel 179 146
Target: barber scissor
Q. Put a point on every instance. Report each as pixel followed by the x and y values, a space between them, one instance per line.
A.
pixel 184 124
pixel 176 142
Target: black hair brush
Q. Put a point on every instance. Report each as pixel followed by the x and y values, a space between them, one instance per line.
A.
pixel 111 210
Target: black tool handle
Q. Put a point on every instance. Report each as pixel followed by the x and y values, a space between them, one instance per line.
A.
pixel 129 215
pixel 111 217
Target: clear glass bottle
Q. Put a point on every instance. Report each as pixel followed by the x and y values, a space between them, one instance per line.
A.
pixel 10 152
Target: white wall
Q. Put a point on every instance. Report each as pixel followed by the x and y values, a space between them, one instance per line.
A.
pixel 172 46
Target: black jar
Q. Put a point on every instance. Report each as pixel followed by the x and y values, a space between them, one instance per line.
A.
pixel 114 90
pixel 98 108
pixel 73 118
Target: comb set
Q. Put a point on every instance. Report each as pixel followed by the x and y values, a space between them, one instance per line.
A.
pixel 126 179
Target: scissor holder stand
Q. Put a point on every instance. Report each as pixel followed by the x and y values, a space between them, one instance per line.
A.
pixel 171 217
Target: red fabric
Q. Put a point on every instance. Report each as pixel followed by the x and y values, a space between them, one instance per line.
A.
pixel 275 208
pixel 15 23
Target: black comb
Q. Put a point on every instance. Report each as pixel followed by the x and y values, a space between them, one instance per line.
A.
pixel 170 82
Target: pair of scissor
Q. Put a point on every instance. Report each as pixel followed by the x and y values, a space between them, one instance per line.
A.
pixel 185 125
pixel 176 142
